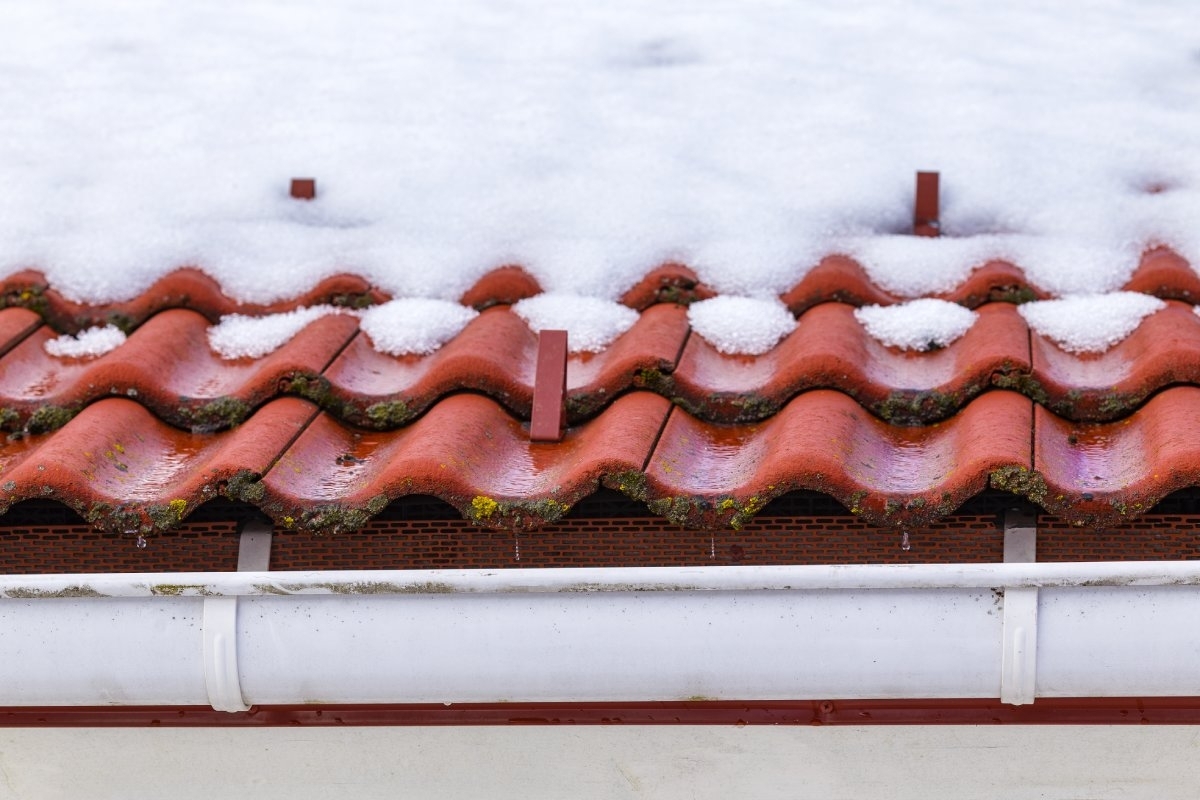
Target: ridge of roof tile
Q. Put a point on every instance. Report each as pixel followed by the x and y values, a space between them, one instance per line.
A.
pixel 167 366
pixel 1161 272
pixel 705 475
pixel 830 350
pixel 468 451
pixel 496 355
pixel 1106 473
pixel 1163 351
pixel 125 471
pixel 186 287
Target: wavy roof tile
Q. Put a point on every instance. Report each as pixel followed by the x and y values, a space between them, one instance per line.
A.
pixel 325 432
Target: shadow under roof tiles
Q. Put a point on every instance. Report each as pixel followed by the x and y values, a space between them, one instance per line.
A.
pixel 706 475
pixel 830 350
pixel 496 354
pixel 468 451
pixel 125 471
pixel 1103 473
pixel 167 366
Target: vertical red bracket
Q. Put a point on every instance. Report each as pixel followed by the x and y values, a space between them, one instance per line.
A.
pixel 925 209
pixel 550 388
pixel 304 188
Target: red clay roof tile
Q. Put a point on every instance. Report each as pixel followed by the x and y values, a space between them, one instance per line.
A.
pixel 167 366
pixel 900 438
pixel 467 451
pixel 712 476
pixel 124 470
pixel 1105 473
pixel 830 350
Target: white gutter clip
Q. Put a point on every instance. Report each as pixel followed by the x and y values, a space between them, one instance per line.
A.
pixel 219 624
pixel 1018 669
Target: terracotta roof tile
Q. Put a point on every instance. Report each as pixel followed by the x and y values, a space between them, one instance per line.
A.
pixel 496 355
pixel 124 470
pixel 830 350
pixel 167 366
pixel 467 451
pixel 1163 351
pixel 1106 473
pixel 709 475
pixel 702 438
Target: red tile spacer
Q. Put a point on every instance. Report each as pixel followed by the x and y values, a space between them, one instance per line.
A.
pixel 550 388
pixel 304 188
pixel 925 209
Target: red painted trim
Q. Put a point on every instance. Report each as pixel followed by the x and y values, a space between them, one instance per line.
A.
pixel 1060 711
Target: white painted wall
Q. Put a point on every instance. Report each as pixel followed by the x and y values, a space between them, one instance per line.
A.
pixel 590 763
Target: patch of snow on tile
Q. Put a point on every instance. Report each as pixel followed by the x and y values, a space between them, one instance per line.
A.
pixel 242 336
pixel 925 324
pixel 414 325
pixel 87 344
pixel 748 326
pixel 1090 323
pixel 591 323
pixel 591 141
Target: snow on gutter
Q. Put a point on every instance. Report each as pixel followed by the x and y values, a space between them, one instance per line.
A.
pixel 231 640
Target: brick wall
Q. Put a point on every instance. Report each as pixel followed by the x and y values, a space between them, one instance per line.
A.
pixel 602 531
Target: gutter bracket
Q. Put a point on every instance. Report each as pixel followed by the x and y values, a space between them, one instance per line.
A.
pixel 219 625
pixel 1018 666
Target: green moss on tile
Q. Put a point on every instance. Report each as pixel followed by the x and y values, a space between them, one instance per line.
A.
pixel 1020 481
pixel 1024 383
pixel 117 319
pixel 918 408
pixel 1016 294
pixel 631 483
pixel 215 415
pixel 245 486
pixel 31 297
pixel 676 509
pixel 355 300
pixel 167 516
pixel 389 414
pixel 854 502
pixel 752 407
pixel 50 418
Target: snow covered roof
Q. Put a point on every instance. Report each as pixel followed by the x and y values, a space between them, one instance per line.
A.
pixel 715 202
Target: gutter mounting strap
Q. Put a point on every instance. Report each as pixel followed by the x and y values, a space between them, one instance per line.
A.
pixel 219 625
pixel 1018 668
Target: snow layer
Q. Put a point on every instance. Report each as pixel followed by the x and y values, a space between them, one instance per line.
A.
pixel 591 141
pixel 591 323
pixel 414 326
pixel 741 325
pixel 1090 323
pixel 87 344
pixel 921 325
pixel 241 336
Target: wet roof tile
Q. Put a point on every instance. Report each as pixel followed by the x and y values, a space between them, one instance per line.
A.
pixel 1107 473
pixel 123 469
pixel 467 451
pixel 705 474
pixel 830 350
pixel 167 366
pixel 495 355
pixel 162 424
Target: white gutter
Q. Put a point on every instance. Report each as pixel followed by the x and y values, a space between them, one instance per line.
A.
pixel 605 579
pixel 790 632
